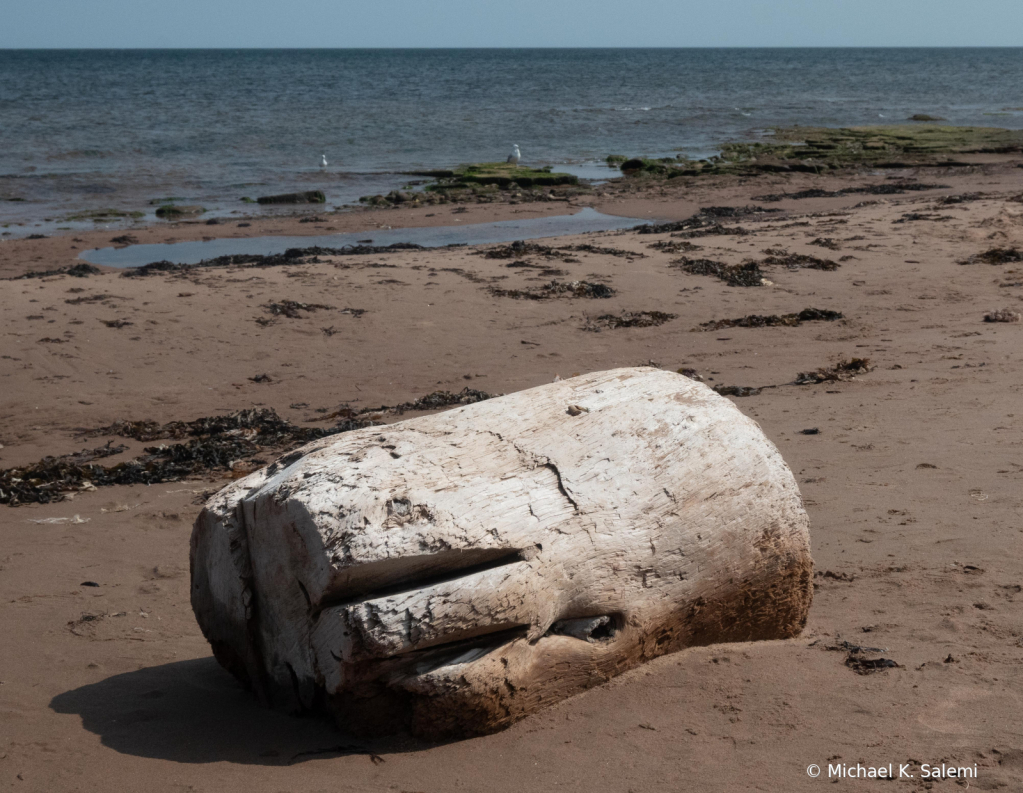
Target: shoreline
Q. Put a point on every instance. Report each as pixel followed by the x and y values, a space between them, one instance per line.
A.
pixel 624 197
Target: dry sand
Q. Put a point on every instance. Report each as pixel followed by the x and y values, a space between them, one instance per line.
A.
pixel 913 486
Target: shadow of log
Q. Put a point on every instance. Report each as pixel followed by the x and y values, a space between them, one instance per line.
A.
pixel 194 712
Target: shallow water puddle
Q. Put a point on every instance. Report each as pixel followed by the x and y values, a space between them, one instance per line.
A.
pixel 586 220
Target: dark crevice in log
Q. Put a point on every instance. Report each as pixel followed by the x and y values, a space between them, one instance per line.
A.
pixel 394 576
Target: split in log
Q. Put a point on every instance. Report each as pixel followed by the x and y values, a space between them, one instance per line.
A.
pixel 454 573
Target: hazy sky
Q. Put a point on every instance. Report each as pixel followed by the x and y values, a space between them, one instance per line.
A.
pixel 509 23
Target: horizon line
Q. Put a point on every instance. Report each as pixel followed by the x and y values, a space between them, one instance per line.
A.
pixel 567 47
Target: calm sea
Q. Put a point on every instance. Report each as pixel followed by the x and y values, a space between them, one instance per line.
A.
pixel 95 128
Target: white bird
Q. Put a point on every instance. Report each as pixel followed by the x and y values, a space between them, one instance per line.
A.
pixel 515 156
pixel 323 160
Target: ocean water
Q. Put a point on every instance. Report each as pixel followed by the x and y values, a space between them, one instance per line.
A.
pixel 89 129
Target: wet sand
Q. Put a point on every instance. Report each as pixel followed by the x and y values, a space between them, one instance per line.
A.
pixel 913 486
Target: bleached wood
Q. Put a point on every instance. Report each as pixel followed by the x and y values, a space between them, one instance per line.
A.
pixel 455 572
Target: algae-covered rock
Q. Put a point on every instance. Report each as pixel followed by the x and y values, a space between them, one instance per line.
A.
pixel 819 149
pixel 660 165
pixel 505 174
pixel 175 211
pixel 876 146
pixel 306 197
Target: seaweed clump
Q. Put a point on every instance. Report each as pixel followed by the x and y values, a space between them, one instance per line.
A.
pixel 797 261
pixel 584 289
pixel 628 319
pixel 773 320
pixel 519 249
pixel 896 188
pixel 289 257
pixel 211 444
pixel 995 256
pixel 745 274
pixel 434 401
pixel 843 370
pixel 292 308
pixel 910 217
pixel 737 390
pixel 75 271
pixel 704 223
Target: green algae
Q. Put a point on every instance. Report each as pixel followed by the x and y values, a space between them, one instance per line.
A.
pixel 502 174
pixel 819 149
pixel 174 211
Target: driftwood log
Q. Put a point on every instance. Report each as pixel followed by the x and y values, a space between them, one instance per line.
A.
pixel 453 573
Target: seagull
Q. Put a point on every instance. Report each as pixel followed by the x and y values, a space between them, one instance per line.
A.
pixel 323 160
pixel 515 156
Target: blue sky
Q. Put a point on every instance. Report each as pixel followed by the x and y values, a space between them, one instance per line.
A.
pixel 525 23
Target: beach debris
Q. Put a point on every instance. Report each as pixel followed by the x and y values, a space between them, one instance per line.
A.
pixel 291 256
pixel 773 320
pixel 583 289
pixel 866 666
pixel 576 410
pixel 520 248
pixel 958 198
pixel 77 301
pixel 291 308
pixel 1002 315
pixel 798 261
pixel 737 390
pixel 734 212
pixel 843 646
pixel 116 323
pixel 306 197
pixel 746 274
pixel 75 271
pixel 840 576
pixel 448 627
pixel 211 444
pixel 910 217
pixel 842 370
pixel 58 521
pixel 879 189
pixel 89 583
pixel 261 378
pixel 542 269
pixel 698 225
pixel 810 431
pixel 674 246
pixel 826 242
pixel 628 319
pixel 125 239
pixel 434 401
pixel 692 374
pixel 36 482
pixel 995 256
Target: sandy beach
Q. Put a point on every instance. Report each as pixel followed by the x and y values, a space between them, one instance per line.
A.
pixel 910 466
